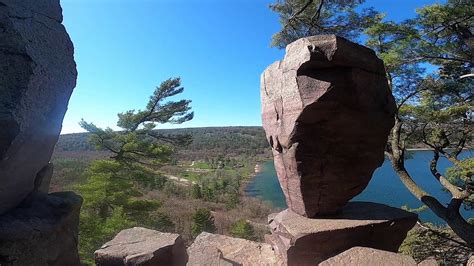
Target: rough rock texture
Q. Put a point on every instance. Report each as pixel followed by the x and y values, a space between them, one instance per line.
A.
pixel 141 246
pixel 304 241
pixel 470 262
pixel 369 256
pixel 37 76
pixel 41 231
pixel 211 249
pixel 327 111
pixel 430 262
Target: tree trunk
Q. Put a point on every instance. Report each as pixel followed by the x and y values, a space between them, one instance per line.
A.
pixel 450 214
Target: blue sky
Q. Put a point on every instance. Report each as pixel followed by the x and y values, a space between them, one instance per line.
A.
pixel 124 49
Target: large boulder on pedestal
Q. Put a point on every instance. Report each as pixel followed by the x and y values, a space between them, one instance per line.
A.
pixel 304 241
pixel 142 246
pixel 41 231
pixel 37 77
pixel 327 111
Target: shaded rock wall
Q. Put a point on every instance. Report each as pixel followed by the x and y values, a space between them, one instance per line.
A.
pixel 41 231
pixel 37 77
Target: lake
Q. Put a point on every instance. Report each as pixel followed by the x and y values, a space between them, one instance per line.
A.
pixel 385 186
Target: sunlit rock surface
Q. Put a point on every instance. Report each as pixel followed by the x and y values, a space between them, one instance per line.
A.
pixel 142 246
pixel 327 111
pixel 37 77
pixel 369 256
pixel 305 241
pixel 212 249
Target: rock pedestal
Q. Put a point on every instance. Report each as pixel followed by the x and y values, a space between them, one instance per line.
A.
pixel 302 241
pixel 41 231
pixel 142 246
pixel 327 111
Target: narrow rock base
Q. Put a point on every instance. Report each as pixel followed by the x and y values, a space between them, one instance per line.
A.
pixel 303 241
pixel 42 230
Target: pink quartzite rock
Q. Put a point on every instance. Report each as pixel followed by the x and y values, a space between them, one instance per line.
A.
pixel 219 250
pixel 304 241
pixel 369 256
pixel 327 111
pixel 37 77
pixel 142 246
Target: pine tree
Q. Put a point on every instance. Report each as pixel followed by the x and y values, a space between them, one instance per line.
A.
pixel 203 222
pixel 242 229
pixel 112 197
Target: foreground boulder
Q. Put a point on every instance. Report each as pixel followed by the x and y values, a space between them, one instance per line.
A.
pixel 37 77
pixel 327 111
pixel 41 231
pixel 142 246
pixel 369 256
pixel 211 249
pixel 303 241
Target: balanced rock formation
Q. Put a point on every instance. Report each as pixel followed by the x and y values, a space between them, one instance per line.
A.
pixel 37 77
pixel 212 249
pixel 41 231
pixel 327 111
pixel 303 241
pixel 142 246
pixel 369 256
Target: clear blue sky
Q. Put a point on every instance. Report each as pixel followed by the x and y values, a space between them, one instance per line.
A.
pixel 124 48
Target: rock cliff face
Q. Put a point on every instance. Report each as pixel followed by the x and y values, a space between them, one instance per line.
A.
pixel 37 77
pixel 327 111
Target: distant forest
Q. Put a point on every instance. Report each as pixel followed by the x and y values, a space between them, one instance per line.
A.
pixel 207 142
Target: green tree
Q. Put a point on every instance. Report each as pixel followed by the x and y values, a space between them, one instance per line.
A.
pixel 242 229
pixel 196 191
pixel 301 18
pixel 138 141
pixel 112 197
pixel 434 109
pixel 203 222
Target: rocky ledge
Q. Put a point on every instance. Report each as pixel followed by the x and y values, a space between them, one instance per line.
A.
pixel 142 246
pixel 41 231
pixel 301 241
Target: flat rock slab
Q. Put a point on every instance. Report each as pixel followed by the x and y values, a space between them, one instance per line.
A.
pixel 369 256
pixel 327 111
pixel 142 246
pixel 212 249
pixel 301 241
pixel 41 231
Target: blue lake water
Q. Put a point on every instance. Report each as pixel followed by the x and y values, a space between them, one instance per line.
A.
pixel 385 186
